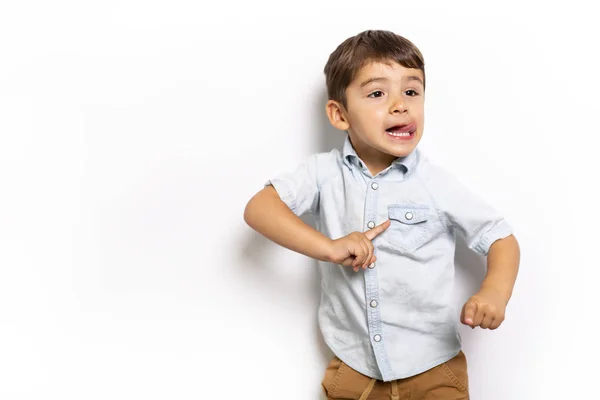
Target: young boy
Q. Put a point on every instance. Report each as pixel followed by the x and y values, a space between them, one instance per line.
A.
pixel 386 221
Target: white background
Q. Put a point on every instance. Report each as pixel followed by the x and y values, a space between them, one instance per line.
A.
pixel 133 133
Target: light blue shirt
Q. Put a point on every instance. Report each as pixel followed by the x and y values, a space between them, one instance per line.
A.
pixel 394 319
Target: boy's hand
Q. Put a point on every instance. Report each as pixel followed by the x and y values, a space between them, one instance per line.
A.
pixel 485 309
pixel 356 249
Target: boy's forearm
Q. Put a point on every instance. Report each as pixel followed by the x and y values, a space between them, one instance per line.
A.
pixel 267 214
pixel 502 266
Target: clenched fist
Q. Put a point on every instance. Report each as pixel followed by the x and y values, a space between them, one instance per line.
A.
pixel 356 249
pixel 485 309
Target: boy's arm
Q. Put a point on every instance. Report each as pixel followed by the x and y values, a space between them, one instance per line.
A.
pixel 488 306
pixel 502 266
pixel 267 214
pixel 488 234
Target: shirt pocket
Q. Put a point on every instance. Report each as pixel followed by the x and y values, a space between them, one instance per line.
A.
pixel 410 226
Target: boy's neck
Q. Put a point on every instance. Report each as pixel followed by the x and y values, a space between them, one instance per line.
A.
pixel 374 160
pixel 377 166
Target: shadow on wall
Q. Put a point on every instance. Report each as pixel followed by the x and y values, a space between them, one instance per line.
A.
pixel 328 138
pixel 257 252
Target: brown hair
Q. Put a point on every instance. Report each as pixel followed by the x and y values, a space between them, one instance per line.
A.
pixel 368 46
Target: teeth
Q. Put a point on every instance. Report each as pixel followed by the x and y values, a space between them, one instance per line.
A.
pixel 399 134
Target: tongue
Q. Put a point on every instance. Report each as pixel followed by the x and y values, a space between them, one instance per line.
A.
pixel 401 128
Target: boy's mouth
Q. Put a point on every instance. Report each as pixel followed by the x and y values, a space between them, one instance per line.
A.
pixel 402 132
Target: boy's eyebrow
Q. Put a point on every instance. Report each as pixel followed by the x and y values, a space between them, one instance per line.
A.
pixel 413 78
pixel 372 79
pixel 382 79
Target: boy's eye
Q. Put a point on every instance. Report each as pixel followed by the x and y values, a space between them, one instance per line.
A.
pixel 411 93
pixel 377 93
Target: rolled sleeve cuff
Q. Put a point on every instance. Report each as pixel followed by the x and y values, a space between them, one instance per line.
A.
pixel 499 231
pixel 284 192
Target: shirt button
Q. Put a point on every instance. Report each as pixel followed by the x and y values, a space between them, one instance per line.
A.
pixel 371 224
pixel 372 266
pixel 377 338
pixel 409 216
pixel 373 303
pixel 374 185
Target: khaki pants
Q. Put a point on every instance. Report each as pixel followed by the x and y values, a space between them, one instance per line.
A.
pixel 447 381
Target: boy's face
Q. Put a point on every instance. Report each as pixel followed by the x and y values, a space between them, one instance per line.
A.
pixel 385 111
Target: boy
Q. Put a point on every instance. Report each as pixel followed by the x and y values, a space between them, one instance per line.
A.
pixel 386 221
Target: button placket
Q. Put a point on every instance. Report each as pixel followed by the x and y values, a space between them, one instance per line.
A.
pixel 372 286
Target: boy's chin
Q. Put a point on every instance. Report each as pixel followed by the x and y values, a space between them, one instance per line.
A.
pixel 401 148
pixel 403 152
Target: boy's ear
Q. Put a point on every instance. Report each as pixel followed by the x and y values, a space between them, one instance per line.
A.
pixel 335 113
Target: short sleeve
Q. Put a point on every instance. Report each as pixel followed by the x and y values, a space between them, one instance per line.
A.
pixel 464 211
pixel 299 189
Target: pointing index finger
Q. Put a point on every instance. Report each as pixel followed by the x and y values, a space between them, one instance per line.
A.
pixel 373 233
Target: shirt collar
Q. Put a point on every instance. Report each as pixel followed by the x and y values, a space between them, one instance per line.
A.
pixel 408 163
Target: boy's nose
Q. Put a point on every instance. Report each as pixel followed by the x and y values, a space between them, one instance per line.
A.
pixel 398 107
